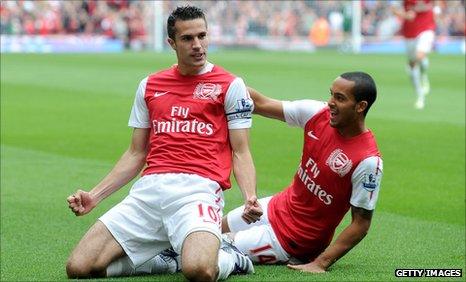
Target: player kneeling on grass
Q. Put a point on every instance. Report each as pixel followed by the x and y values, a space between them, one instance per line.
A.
pixel 340 168
pixel 189 133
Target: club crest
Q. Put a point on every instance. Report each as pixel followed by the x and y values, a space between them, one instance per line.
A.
pixel 207 91
pixel 339 162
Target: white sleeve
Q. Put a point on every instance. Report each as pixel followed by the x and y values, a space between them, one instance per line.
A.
pixel 297 113
pixel 366 180
pixel 139 117
pixel 238 105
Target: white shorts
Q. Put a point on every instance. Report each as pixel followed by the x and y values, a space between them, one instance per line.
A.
pixel 422 43
pixel 161 210
pixel 257 240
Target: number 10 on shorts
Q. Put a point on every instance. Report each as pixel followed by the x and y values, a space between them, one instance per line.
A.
pixel 209 214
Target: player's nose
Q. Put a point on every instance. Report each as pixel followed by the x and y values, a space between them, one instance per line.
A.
pixel 196 43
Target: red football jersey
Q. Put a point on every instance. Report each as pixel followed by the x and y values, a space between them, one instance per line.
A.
pixel 423 21
pixel 189 118
pixel 304 216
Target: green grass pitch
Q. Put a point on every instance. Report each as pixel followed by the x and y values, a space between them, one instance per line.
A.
pixel 64 124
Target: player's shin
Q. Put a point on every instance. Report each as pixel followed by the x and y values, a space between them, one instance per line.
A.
pixel 415 75
pixel 120 267
pixel 167 262
pixel 424 65
pixel 424 78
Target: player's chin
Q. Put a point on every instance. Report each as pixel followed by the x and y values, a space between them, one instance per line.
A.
pixel 199 61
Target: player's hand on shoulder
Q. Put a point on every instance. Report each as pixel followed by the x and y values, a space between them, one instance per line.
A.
pixel 311 267
pixel 81 202
pixel 252 210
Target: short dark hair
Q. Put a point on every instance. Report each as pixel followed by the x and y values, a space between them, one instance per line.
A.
pixel 184 13
pixel 364 88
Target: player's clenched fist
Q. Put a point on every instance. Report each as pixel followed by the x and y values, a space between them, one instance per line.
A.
pixel 81 202
pixel 252 210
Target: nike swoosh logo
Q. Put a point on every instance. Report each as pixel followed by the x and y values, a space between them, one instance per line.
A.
pixel 158 94
pixel 310 134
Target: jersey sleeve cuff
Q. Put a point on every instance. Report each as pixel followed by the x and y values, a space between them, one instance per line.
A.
pixel 240 124
pixel 138 125
pixel 363 206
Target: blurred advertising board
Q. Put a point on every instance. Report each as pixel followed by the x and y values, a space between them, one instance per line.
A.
pixel 59 44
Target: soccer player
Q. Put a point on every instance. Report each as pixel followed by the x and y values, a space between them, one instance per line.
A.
pixel 340 169
pixel 418 29
pixel 191 125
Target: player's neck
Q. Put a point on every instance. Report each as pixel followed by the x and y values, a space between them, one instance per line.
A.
pixel 190 70
pixel 352 131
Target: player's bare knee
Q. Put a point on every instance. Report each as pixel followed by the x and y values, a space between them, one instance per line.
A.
pixel 82 268
pixel 199 272
pixel 77 269
pixel 420 56
pixel 83 271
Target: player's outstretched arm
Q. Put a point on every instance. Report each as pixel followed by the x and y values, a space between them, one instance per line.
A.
pixel 245 173
pixel 402 13
pixel 348 238
pixel 266 106
pixel 129 165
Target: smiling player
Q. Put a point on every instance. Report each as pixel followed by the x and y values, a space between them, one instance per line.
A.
pixel 191 126
pixel 340 169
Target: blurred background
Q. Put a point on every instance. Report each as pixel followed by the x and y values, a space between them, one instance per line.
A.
pixel 365 26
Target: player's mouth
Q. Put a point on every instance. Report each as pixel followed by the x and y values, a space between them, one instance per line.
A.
pixel 333 115
pixel 198 56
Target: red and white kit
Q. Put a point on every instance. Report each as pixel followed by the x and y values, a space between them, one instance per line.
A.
pixel 423 21
pixel 420 31
pixel 189 159
pixel 190 117
pixel 334 173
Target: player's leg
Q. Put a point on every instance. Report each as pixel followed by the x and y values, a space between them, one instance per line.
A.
pixel 424 66
pixel 167 262
pixel 424 46
pixel 136 224
pixel 199 256
pixel 193 226
pixel 415 72
pixel 256 240
pixel 260 244
pixel 96 250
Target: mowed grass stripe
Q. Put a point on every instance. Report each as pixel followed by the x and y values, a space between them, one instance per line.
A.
pixel 73 123
pixel 38 230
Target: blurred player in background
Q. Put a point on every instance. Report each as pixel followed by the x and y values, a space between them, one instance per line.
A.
pixel 191 124
pixel 418 29
pixel 340 168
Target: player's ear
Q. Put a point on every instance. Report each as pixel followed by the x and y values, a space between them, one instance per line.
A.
pixel 361 106
pixel 172 43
